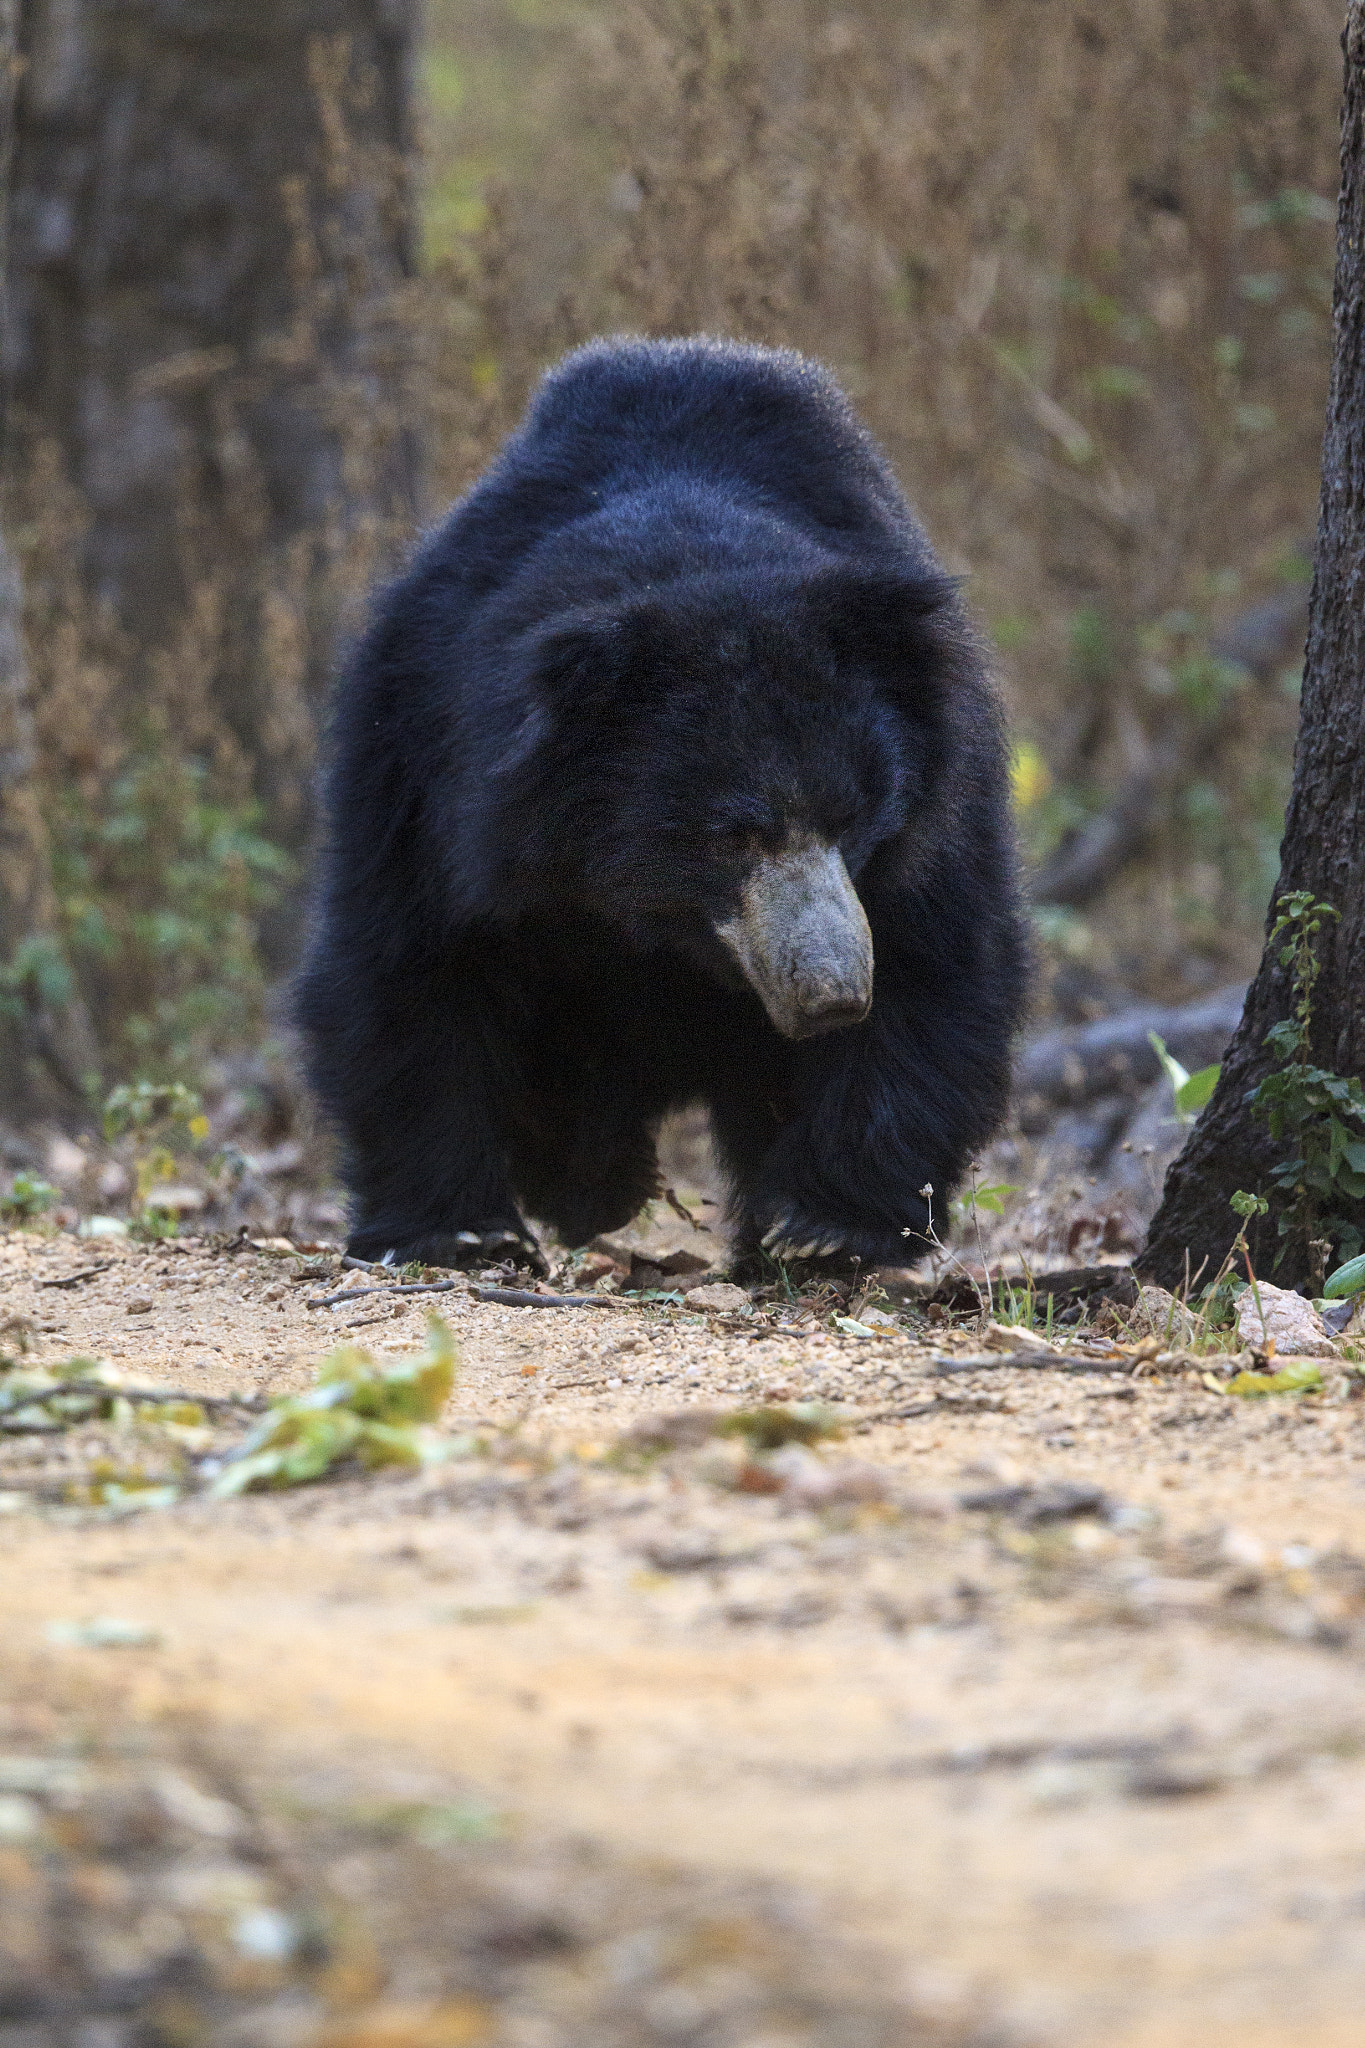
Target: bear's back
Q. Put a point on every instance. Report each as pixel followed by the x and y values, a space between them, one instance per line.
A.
pixel 621 417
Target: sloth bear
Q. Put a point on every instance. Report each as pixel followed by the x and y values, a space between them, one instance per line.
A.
pixel 669 772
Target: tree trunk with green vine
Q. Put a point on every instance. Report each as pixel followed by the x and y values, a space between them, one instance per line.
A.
pixel 1323 852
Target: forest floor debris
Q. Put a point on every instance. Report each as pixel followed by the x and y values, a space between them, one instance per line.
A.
pixel 741 1679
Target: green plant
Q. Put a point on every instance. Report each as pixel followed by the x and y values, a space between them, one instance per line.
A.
pixel 160 888
pixel 1319 1115
pixel 155 1113
pixel 1219 1299
pixel 1191 1091
pixel 1348 1279
pixel 1302 1377
pixel 376 1415
pixel 27 1199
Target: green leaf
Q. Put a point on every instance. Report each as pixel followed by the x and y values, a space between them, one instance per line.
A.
pixel 1195 1091
pixel 1171 1067
pixel 356 1409
pixel 1301 1378
pixel 1348 1279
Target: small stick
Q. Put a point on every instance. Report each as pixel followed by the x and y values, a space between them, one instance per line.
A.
pixel 1034 1361
pixel 176 1396
pixel 252 1402
pixel 73 1279
pixel 393 1287
pixel 521 1297
pixel 681 1209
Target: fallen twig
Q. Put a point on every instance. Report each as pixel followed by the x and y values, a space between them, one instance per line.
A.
pixel 74 1279
pixel 391 1287
pixel 522 1297
pixel 1048 1361
pixel 254 1403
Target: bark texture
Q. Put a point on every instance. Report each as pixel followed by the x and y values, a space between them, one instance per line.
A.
pixel 1324 839
pixel 45 1047
pixel 211 369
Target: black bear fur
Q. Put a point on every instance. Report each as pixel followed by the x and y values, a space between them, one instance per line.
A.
pixel 686 613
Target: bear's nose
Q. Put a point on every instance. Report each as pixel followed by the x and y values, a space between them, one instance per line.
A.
pixel 803 941
pixel 827 1010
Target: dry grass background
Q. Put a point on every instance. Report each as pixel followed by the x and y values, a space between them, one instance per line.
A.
pixel 1074 265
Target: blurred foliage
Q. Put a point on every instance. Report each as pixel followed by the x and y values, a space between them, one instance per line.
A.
pixel 1302 1377
pixel 160 888
pixel 357 1411
pixel 28 1198
pixel 157 1115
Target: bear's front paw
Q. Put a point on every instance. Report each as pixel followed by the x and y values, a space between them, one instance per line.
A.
pixel 820 1244
pixel 457 1250
pixel 792 1239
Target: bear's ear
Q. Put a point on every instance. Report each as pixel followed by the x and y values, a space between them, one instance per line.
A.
pixel 597 652
pixel 579 654
pixel 908 628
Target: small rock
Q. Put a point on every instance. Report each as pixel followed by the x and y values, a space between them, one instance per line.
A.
pixel 1014 1337
pixel 682 1259
pixel 666 1251
pixel 719 1296
pixel 102 1226
pixel 1160 1314
pixel 1285 1319
pixel 594 1267
pixel 65 1160
pixel 1030 1505
pixel 180 1201
pixel 138 1305
pixel 199 1811
pixel 806 1481
pixel 20 1819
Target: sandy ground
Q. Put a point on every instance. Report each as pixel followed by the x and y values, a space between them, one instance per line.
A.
pixel 1028 1710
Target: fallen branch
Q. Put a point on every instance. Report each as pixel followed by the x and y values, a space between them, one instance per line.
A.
pixel 391 1287
pixel 253 1403
pixel 1034 1361
pixel 74 1279
pixel 522 1297
pixel 1077 1062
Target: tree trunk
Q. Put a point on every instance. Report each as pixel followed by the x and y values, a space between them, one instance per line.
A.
pixel 45 1046
pixel 1323 849
pixel 216 444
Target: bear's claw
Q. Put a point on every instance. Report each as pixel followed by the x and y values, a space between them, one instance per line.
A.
pixel 456 1249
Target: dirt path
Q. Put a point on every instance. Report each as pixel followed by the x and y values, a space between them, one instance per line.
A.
pixel 1029 1710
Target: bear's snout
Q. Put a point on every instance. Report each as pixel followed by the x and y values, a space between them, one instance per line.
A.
pixel 801 938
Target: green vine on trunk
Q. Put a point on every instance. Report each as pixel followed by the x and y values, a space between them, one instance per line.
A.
pixel 1319 1115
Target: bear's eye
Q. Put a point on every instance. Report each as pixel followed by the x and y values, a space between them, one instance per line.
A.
pixel 732 838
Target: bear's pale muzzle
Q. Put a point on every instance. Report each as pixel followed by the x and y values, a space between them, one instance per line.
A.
pixel 802 940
